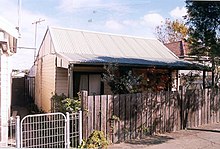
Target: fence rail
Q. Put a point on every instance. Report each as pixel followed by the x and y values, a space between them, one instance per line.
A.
pixel 129 116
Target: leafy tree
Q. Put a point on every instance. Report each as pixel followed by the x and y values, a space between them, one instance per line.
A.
pixel 203 19
pixel 171 31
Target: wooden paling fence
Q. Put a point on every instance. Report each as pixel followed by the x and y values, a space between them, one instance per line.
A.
pixel 201 107
pixel 129 116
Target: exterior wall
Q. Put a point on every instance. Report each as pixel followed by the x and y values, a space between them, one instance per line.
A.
pixel 45 75
pixel 0 104
pixel 62 81
pixel 5 96
pixel 8 46
pixel 45 82
pixel 46 46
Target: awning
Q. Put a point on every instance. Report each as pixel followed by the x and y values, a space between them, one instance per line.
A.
pixel 8 27
pixel 135 62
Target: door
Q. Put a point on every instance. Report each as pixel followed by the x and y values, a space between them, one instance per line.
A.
pixel 94 84
pixel 88 82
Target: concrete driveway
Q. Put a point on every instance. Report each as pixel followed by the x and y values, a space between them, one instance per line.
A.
pixel 200 138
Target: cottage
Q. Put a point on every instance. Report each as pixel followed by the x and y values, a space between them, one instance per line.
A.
pixel 8 46
pixel 71 60
pixel 182 50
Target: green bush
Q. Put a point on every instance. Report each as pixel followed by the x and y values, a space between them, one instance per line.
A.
pixel 121 84
pixel 61 103
pixel 96 140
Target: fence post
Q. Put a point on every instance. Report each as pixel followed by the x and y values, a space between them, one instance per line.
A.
pixel 67 130
pixel 18 131
pixel 84 108
pixel 181 107
pixel 80 127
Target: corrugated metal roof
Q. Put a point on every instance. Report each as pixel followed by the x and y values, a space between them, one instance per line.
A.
pixel 85 47
pixel 102 44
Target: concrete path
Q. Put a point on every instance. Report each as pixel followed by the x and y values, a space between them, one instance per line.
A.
pixel 206 137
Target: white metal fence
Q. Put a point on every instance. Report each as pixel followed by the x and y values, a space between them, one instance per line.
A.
pixel 8 132
pixel 11 132
pixel 51 130
pixel 75 129
pixel 44 131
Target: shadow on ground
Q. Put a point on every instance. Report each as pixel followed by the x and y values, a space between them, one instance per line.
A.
pixel 151 140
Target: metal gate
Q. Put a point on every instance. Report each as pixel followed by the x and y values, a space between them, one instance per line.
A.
pixel 44 131
pixel 50 130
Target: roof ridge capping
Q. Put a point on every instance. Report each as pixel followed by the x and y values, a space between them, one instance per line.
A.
pixel 99 32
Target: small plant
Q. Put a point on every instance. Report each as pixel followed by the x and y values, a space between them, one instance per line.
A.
pixel 114 117
pixel 146 130
pixel 96 140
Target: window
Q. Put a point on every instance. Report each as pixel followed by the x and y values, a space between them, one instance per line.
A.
pixel 89 82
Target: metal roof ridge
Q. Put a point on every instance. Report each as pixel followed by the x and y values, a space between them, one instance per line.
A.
pixel 104 33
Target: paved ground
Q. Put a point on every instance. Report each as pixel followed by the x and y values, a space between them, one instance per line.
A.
pixel 202 138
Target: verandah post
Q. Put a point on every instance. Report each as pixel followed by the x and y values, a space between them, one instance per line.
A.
pixel 181 106
pixel 70 81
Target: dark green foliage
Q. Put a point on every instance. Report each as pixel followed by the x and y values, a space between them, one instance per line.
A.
pixel 121 84
pixel 204 29
pixel 204 25
pixel 33 109
pixel 61 103
pixel 124 81
pixel 96 140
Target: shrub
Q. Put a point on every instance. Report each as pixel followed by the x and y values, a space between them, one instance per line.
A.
pixel 96 140
pixel 61 103
pixel 121 84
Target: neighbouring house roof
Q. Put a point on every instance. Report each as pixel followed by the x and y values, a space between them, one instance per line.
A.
pixel 176 48
pixel 86 47
pixel 179 48
pixel 182 50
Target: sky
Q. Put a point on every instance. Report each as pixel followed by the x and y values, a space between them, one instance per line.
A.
pixel 127 17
